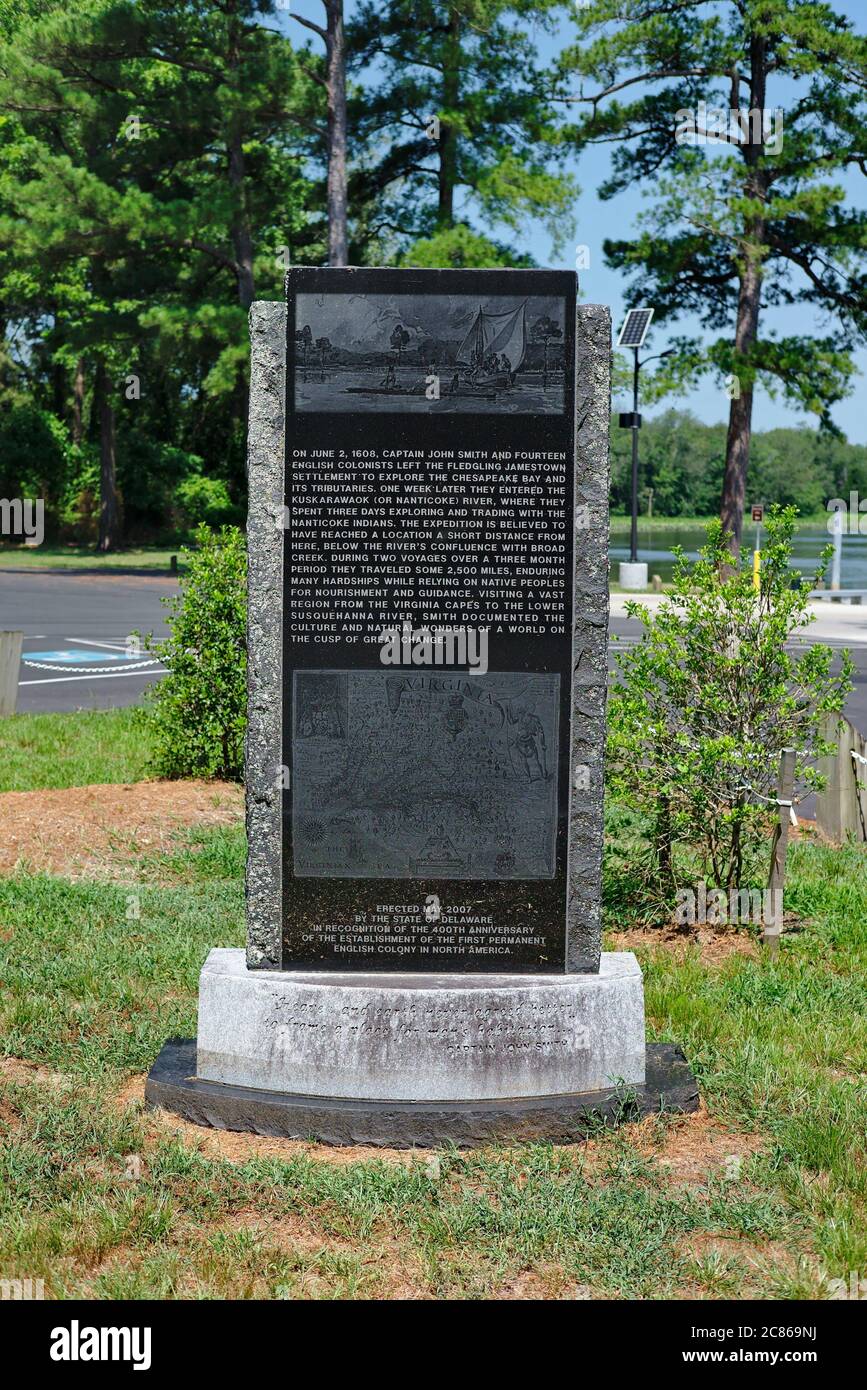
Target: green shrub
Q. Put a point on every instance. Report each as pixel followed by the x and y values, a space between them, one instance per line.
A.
pixel 198 712
pixel 149 472
pixel 204 501
pixel 707 699
pixel 34 455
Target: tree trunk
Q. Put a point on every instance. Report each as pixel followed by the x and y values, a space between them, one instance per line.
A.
pixel 242 237
pixel 78 402
pixel 663 845
pixel 335 51
pixel 448 167
pixel 749 301
pixel 58 388
pixel 109 498
pixel 741 410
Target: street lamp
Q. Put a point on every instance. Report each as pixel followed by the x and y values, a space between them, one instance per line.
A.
pixel 632 335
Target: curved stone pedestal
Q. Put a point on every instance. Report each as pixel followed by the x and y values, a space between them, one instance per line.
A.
pixel 420 1037
pixel 417 1060
pixel 172 1085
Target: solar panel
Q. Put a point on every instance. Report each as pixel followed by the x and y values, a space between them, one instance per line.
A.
pixel 635 327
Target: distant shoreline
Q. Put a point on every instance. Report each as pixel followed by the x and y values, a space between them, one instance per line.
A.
pixel 620 522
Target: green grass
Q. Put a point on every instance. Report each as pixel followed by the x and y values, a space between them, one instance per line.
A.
pixel 620 524
pixel 782 1047
pixel 73 750
pixel 101 1201
pixel 86 557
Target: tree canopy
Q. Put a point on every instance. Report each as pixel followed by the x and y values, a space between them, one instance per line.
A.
pixel 739 120
pixel 163 161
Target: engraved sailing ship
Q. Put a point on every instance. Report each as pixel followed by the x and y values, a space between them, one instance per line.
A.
pixel 493 351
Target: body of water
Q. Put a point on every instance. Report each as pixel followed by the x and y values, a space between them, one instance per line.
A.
pixel 345 390
pixel 655 546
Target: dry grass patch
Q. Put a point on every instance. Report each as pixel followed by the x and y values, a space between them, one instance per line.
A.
pixel 542 1285
pixel 715 944
pixel 88 832
pixel 238 1148
pixel 22 1073
pixel 719 1264
pixel 696 1148
pixel 701 1244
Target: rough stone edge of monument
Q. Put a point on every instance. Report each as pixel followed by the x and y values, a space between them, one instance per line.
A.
pixel 265 475
pixel 172 1085
pixel 589 636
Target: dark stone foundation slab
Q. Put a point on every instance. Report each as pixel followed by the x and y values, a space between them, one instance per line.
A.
pixel 172 1085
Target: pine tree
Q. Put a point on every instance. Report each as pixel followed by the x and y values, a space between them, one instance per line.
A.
pixel 333 80
pixel 155 176
pixel 756 216
pixel 451 126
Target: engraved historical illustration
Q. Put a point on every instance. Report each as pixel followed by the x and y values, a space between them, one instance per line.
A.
pixel 430 353
pixel 404 774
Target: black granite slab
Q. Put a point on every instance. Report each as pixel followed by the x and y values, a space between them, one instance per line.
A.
pixel 670 1087
pixel 432 484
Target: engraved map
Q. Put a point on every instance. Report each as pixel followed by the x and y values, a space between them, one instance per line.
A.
pixel 407 774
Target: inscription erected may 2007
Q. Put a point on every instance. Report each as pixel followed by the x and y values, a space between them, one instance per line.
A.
pixel 430 442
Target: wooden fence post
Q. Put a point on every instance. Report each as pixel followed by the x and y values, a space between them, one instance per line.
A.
pixel 10 664
pixel 773 924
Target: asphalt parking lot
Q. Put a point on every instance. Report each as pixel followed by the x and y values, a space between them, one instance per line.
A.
pixel 77 626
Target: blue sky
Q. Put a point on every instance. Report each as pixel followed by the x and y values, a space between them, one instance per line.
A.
pixel 597 220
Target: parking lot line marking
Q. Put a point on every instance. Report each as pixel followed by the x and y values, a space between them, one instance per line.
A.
pixel 110 676
pixel 86 642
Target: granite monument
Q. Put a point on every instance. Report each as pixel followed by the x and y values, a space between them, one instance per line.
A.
pixel 427 646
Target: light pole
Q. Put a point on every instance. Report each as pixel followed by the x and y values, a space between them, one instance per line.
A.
pixel 636 426
pixel 632 335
